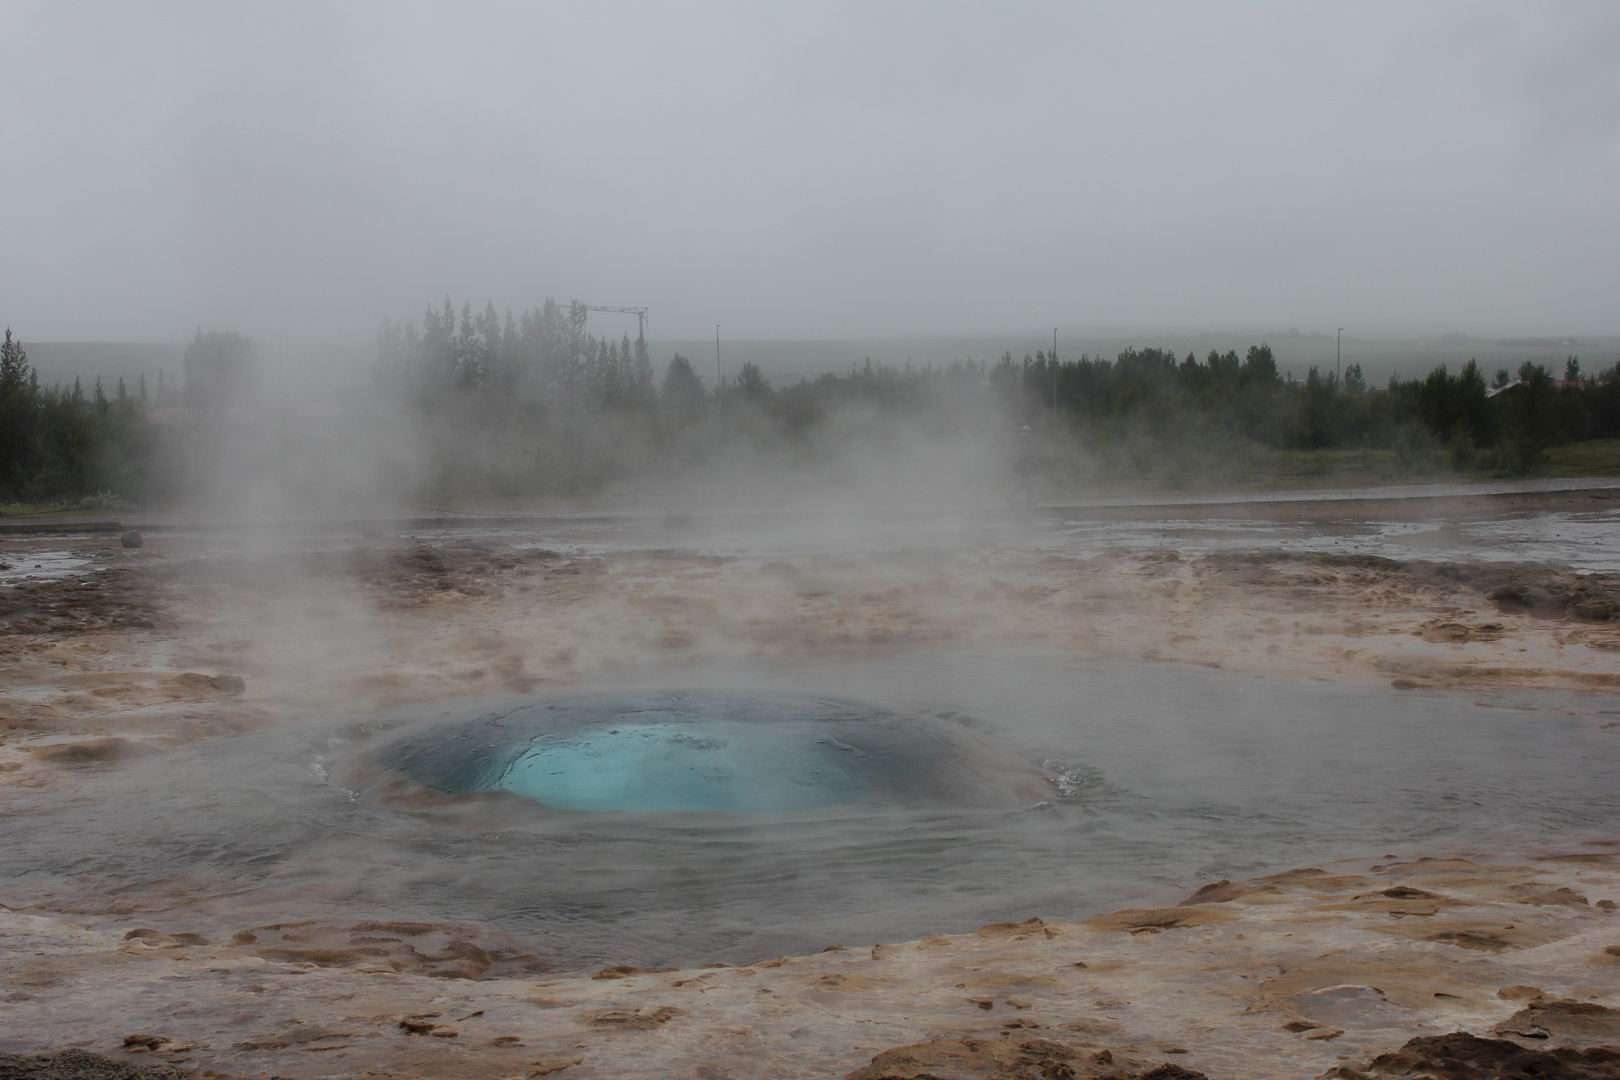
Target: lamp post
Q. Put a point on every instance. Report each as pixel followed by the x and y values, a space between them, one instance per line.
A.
pixel 1053 357
pixel 1337 373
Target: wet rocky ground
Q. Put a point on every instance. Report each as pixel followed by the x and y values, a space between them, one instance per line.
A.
pixel 1338 971
pixel 1350 971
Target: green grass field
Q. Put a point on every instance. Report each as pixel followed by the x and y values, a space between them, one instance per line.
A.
pixel 1595 457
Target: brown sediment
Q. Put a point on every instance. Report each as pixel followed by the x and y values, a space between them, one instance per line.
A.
pixel 440 950
pixel 1305 973
pixel 83 1065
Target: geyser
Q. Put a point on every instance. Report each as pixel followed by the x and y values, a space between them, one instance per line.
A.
pixel 684 751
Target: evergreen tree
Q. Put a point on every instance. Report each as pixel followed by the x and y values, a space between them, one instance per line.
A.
pixel 1259 367
pixel 14 367
pixel 19 416
pixel 751 382
pixel 683 387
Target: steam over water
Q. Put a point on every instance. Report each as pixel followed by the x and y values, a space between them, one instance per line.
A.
pixel 1165 777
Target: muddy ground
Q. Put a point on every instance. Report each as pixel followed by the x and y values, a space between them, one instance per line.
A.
pixel 1322 969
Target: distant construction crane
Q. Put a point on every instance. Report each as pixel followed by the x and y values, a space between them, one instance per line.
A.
pixel 639 312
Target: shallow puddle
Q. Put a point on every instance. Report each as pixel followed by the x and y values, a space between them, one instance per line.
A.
pixel 20 562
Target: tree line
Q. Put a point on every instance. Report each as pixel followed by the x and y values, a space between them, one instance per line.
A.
pixel 479 403
pixel 60 441
pixel 1504 426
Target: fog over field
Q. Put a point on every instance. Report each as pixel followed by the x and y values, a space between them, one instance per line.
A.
pixel 553 249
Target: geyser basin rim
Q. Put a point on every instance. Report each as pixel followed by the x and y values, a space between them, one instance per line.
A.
pixel 703 751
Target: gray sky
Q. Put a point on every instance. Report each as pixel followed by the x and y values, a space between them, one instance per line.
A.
pixel 808 170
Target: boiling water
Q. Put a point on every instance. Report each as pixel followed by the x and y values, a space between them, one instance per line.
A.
pixel 1161 778
pixel 707 751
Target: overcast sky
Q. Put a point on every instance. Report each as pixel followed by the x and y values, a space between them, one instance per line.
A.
pixel 815 170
